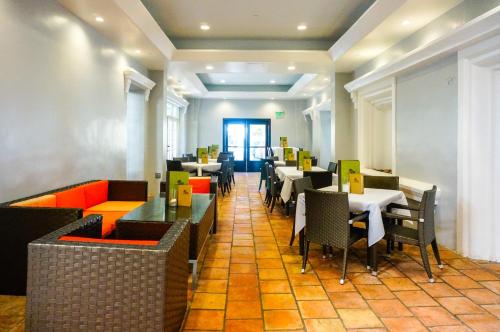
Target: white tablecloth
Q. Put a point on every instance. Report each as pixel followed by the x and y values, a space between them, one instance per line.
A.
pixel 289 173
pixel 211 167
pixel 279 163
pixel 278 151
pixel 373 200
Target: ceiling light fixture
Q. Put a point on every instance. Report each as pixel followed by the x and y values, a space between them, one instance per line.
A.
pixel 272 81
pixel 209 67
pixel 301 27
pixel 99 19
pixel 138 51
pixel 291 67
pixel 223 81
pixel 406 23
pixel 326 79
pixel 205 27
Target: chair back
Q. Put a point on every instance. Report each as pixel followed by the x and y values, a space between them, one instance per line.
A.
pixel 267 176
pixel 319 179
pixel 270 152
pixel 224 172
pixel 269 161
pixel 299 185
pixel 174 165
pixel 332 167
pixel 426 212
pixel 222 156
pixel 291 162
pixel 381 182
pixel 327 217
pixel 314 161
pixel 273 179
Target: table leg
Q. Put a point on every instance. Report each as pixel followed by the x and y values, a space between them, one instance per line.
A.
pixel 200 171
pixel 373 259
pixel 301 242
pixel 194 279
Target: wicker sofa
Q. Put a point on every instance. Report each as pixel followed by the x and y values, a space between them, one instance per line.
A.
pixel 79 281
pixel 27 219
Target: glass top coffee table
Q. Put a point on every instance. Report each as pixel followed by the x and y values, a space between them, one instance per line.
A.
pixel 150 218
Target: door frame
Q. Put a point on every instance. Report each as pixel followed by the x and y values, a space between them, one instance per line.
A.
pixel 246 165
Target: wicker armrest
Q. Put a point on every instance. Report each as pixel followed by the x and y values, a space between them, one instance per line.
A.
pixel 401 207
pixel 389 215
pixel 123 190
pixel 359 217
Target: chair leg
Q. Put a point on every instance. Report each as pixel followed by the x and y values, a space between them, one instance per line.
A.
pixel 324 251
pixel 292 238
pixel 389 244
pixel 304 258
pixel 436 253
pixel 425 260
pixel 344 266
pixel 400 244
pixel 273 202
pixel 260 184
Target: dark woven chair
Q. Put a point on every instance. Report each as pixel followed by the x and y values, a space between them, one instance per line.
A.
pixel 99 286
pixel 274 187
pixel 223 156
pixel 291 162
pixel 328 223
pixel 299 185
pixel 389 183
pixel 314 161
pixel 224 179
pixel 174 165
pixel 319 179
pixel 262 172
pixel 181 159
pixel 423 235
pixel 332 167
pixel 381 182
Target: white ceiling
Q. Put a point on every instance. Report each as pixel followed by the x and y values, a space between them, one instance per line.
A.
pixel 249 79
pixel 256 19
pixel 417 13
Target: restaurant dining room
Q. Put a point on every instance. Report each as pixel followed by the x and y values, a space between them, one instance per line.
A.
pixel 241 166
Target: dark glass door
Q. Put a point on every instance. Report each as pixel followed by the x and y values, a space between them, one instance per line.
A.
pixel 248 140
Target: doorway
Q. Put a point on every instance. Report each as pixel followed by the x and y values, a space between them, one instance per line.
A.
pixel 248 139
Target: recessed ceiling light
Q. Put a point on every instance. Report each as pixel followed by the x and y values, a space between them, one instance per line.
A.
pixel 138 51
pixel 99 19
pixel 301 27
pixel 272 81
pixel 205 27
pixel 291 67
pixel 326 79
pixel 223 81
pixel 209 67
pixel 406 22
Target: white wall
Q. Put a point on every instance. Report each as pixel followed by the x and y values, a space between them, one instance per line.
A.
pixel 204 120
pixel 62 100
pixel 426 136
pixel 136 128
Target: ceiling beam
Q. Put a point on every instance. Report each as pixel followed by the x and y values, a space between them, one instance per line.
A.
pixel 371 18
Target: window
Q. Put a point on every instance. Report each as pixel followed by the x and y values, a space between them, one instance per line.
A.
pixel 172 127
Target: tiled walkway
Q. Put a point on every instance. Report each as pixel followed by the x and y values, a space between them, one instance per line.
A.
pixel 251 281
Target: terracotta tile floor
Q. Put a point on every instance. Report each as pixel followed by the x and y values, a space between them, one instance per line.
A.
pixel 251 281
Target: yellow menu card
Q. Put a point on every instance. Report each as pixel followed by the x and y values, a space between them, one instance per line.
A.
pixel 356 183
pixel 307 165
pixel 184 195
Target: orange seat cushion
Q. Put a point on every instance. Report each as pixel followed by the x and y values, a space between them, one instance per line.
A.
pixel 95 193
pixel 117 206
pixel 109 219
pixel 201 185
pixel 71 198
pixel 42 201
pixel 111 241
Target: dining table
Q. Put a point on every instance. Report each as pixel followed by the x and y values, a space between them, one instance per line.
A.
pixel 289 173
pixel 212 166
pixel 373 201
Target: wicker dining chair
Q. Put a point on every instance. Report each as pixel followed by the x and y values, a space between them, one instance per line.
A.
pixel 262 172
pixel 224 179
pixel 389 183
pixel 290 162
pixel 319 179
pixel 314 161
pixel 328 223
pixel 274 186
pixel 299 185
pixel 332 167
pixel 174 165
pixel 423 235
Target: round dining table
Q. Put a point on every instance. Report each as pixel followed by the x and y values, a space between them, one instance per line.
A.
pixel 212 166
